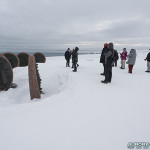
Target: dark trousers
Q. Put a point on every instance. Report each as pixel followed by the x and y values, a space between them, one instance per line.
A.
pixel 67 62
pixel 104 68
pixel 130 68
pixel 75 65
pixel 108 73
pixel 115 63
pixel 72 65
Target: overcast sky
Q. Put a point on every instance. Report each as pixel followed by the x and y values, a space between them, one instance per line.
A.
pixel 88 24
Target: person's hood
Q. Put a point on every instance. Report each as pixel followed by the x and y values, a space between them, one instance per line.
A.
pixel 76 49
pixel 133 51
pixel 111 46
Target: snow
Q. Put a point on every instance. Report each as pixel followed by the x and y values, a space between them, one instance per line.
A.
pixel 77 111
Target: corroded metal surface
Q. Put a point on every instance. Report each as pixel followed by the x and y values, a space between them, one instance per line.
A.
pixel 13 59
pixel 23 59
pixel 39 57
pixel 6 73
pixel 33 81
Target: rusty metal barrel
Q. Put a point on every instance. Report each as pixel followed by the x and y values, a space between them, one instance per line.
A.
pixel 39 57
pixel 13 59
pixel 6 73
pixel 23 58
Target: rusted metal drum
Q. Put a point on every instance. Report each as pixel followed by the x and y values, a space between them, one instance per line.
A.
pixel 39 57
pixel 6 73
pixel 13 59
pixel 23 59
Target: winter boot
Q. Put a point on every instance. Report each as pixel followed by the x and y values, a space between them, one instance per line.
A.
pixel 104 82
pixel 74 70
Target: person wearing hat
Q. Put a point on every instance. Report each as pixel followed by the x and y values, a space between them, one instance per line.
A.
pixel 148 62
pixel 108 63
pixel 75 59
pixel 123 56
pixel 102 57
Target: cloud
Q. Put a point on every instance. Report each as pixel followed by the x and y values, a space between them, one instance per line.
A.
pixel 52 24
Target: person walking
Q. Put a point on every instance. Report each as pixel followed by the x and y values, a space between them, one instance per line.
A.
pixel 71 59
pixel 75 59
pixel 108 63
pixel 67 57
pixel 148 62
pixel 123 56
pixel 131 59
pixel 102 57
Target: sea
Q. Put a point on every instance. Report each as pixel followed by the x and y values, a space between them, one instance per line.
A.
pixel 47 54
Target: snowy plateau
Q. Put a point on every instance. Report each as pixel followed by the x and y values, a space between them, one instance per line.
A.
pixel 77 111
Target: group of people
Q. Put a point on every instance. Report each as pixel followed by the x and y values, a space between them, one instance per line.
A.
pixel 131 59
pixel 74 54
pixel 109 57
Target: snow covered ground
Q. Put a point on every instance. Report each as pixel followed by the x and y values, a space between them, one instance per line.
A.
pixel 77 111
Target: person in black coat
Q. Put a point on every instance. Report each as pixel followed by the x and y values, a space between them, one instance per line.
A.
pixel 75 59
pixel 67 57
pixel 116 57
pixel 148 62
pixel 108 64
pixel 102 57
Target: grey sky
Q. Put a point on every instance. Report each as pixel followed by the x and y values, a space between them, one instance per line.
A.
pixel 88 24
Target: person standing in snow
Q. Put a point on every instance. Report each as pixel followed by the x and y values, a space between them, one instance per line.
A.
pixel 148 62
pixel 71 57
pixel 116 57
pixel 67 57
pixel 102 57
pixel 75 59
pixel 131 59
pixel 108 63
pixel 123 56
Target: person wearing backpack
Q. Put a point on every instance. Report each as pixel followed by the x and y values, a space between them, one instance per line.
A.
pixel 108 63
pixel 148 62
pixel 116 57
pixel 75 59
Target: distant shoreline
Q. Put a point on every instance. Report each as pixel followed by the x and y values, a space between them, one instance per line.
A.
pixel 58 53
pixel 47 54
